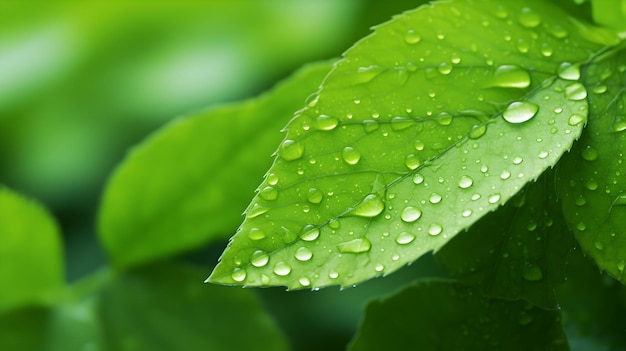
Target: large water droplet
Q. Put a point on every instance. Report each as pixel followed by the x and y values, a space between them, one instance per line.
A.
pixel 304 281
pixel 256 210
pixel 303 254
pixel 434 198
pixel 465 182
pixel 310 233
pixel 405 238
pixel 268 193
pixel 355 246
pixel 445 68
pixel 325 122
pixel 477 131
pixel 366 74
pixel 576 119
pixel 435 229
pixel 400 123
pixel 411 37
pixel 575 91
pixel 256 234
pixel 505 175
pixel 412 161
pixel 568 71
pixel 589 153
pixel 493 198
pixel 291 150
pixel 350 155
pixel 510 76
pixel 371 206
pixel 520 111
pixel 411 214
pixel 239 274
pixel 332 274
pixel 259 258
pixel 314 196
pixel 528 18
pixel 281 268
pixel 418 179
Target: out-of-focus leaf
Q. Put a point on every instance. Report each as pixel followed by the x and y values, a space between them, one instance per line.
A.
pixel 522 247
pixel 445 316
pixel 434 120
pixel 166 307
pixel 31 256
pixel 593 176
pixel 189 182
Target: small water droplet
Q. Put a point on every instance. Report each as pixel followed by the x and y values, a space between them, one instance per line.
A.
pixel 304 281
pixel 350 155
pixel 366 74
pixel 314 196
pixel 510 76
pixel 581 226
pixel 291 150
pixel 272 179
pixel 405 238
pixel 543 154
pixel 419 145
pixel 411 37
pixel 522 46
pixel 517 160
pixel 434 198
pixel 528 18
pixel 282 269
pixel 325 122
pixel 412 161
pixel 591 185
pixel 466 213
pixel 370 125
pixel 546 50
pixel 371 206
pixel 256 234
pixel 619 126
pixel 400 123
pixel 411 214
pixel 598 245
pixel 621 265
pixel 505 175
pixel 239 274
pixel 589 153
pixel 259 258
pixel 310 233
pixel 532 273
pixel 576 119
pixel 575 91
pixel 268 193
pixel 445 68
pixel 418 179
pixel 465 182
pixel 520 111
pixel 477 131
pixel 568 71
pixel 303 254
pixel 435 229
pixel 357 245
pixel 332 274
pixel 379 268
pixel 493 198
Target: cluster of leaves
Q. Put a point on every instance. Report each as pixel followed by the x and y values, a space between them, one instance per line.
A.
pixel 489 132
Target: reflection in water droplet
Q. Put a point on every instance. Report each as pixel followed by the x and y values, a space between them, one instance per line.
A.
pixel 272 179
pixel 256 234
pixel 371 206
pixel 546 50
pixel 282 269
pixel 589 153
pixel 517 160
pixel 379 268
pixel 239 274
pixel 543 154
pixel 303 254
pixel 575 91
pixel 405 238
pixel 350 155
pixel 435 229
pixel 411 214
pixel 465 182
pixel 528 18
pixel 419 145
pixel 568 71
pixel 520 111
pixel 314 196
pixel 291 150
pixel 358 245
pixel 325 122
pixel 259 258
pixel 510 76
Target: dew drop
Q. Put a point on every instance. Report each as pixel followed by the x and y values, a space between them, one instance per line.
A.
pixel 477 131
pixel 405 238
pixel 303 254
pixel 418 179
pixel 434 198
pixel 575 91
pixel 256 234
pixel 598 245
pixel 520 111
pixel 621 265
pixel 411 214
pixel 399 123
pixel 581 226
pixel 568 71
pixel 350 155
pixel 371 206
pixel 366 74
pixel 599 89
pixel 591 185
pixel 445 68
pixel 510 76
pixel 411 37
pixel 325 122
pixel 532 273
pixel 259 258
pixel 619 126
pixel 517 160
pixel 291 150
pixel 332 274
pixel 543 154
pixel 310 233
pixel 411 161
pixel 435 229
pixel 239 274
pixel 304 281
pixel 282 269
pixel 466 213
pixel 272 179
pixel 358 245
pixel 546 50
pixel 505 175
pixel 314 196
pixel 493 198
pixel 576 119
pixel 419 145
pixel 379 268
pixel 370 125
pixel 268 193
pixel 465 182
pixel 589 153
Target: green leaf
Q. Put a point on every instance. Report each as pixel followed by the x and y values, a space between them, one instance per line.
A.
pixel 523 247
pixel 31 256
pixel 434 120
pixel 441 315
pixel 166 307
pixel 611 13
pixel 171 192
pixel 592 186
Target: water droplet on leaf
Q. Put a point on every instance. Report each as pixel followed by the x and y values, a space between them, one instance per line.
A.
pixel 510 76
pixel 268 193
pixel 520 111
pixel 239 274
pixel 435 229
pixel 259 258
pixel 576 119
pixel 532 273
pixel 314 196
pixel 568 71
pixel 411 214
pixel 325 122
pixel 528 18
pixel 282 269
pixel 575 91
pixel 411 37
pixel 303 254
pixel 405 238
pixel 291 150
pixel 358 245
pixel 465 182
pixel 371 206
pixel 350 155
pixel 256 234
pixel 310 233
pixel 589 153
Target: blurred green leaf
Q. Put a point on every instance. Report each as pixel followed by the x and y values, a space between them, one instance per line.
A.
pixel 31 256
pixel 440 315
pixel 187 184
pixel 166 307
pixel 23 329
pixel 425 126
pixel 611 13
pixel 591 178
pixel 523 247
